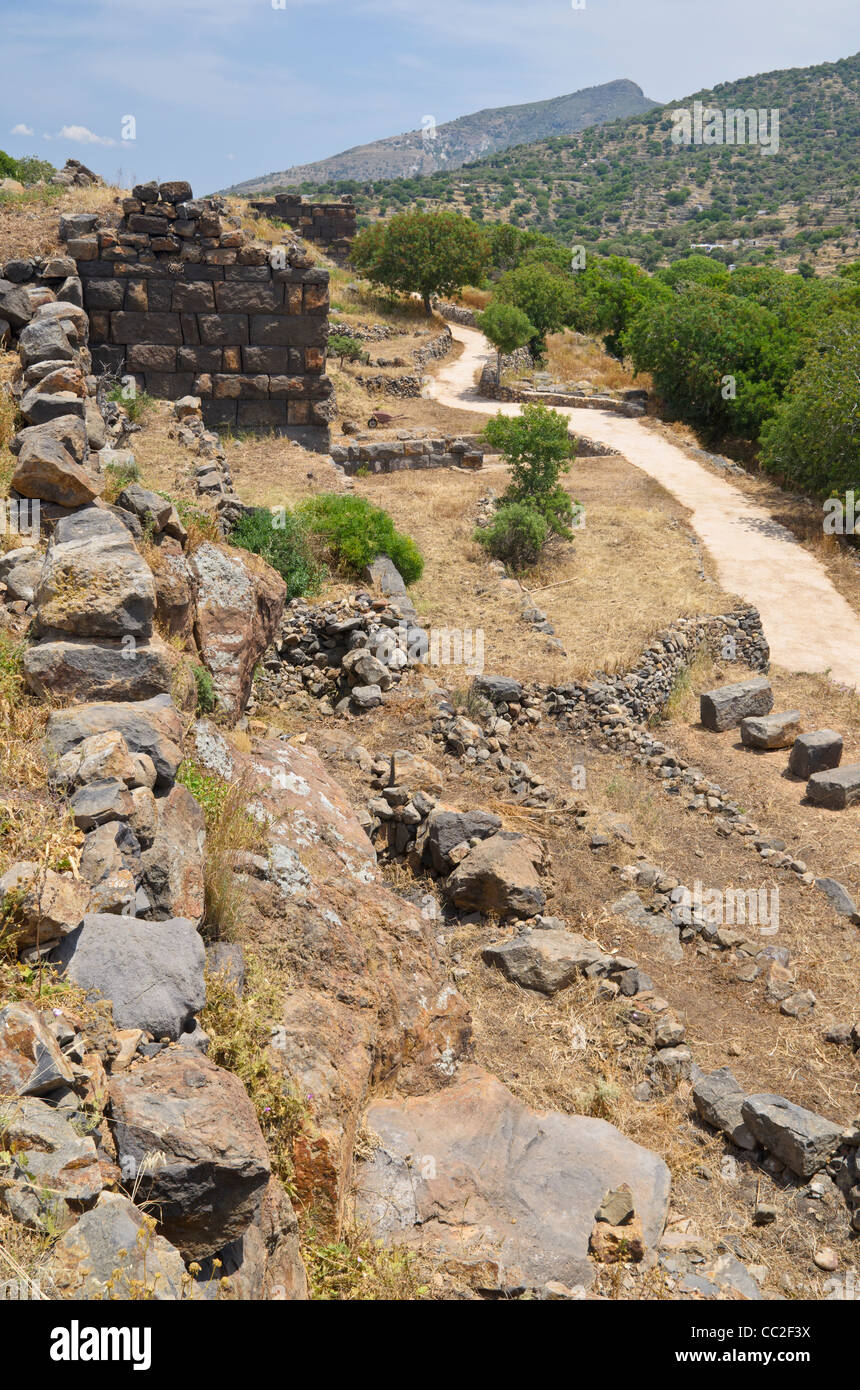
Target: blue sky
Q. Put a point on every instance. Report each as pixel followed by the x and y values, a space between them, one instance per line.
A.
pixel 223 90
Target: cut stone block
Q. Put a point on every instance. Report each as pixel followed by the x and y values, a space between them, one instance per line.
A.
pixel 771 730
pixel 836 789
pixel 815 752
pixel 725 708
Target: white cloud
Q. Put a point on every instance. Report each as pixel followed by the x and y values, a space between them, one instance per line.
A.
pixel 21 129
pixel 83 136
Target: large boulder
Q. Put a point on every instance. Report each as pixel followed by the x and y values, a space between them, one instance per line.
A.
pixel 725 708
pixel 547 960
pixel 152 972
pixel 240 600
pixel 803 1140
pixel 68 430
pixel 384 575
pixel 499 876
pixel 149 726
pixel 209 1187
pixel 53 1170
pixel 478 1181
pixel 14 304
pixel 45 469
pixel 368 997
pixel 95 583
pixel 84 669
pixel 447 828
pixel 264 1263
pixel 45 341
pixel 110 1254
pixel 173 864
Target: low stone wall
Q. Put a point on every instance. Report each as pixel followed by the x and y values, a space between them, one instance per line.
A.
pixel 455 313
pixel 394 455
pixel 495 391
pixel 326 224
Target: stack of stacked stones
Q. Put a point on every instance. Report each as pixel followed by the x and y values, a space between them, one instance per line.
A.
pixel 189 306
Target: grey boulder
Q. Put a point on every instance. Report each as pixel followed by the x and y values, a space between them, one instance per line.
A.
pixel 151 971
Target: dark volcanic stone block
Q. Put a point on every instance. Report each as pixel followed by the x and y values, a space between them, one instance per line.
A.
pixel 223 329
pixel 837 788
pixel 150 357
pixel 146 328
pixel 259 414
pixel 169 385
pixel 815 752
pixel 195 298
pixel 262 298
pixel 725 708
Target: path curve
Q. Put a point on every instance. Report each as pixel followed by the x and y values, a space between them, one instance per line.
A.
pixel 810 627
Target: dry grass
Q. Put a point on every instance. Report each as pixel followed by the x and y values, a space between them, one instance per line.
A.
pixel 29 221
pixel 574 357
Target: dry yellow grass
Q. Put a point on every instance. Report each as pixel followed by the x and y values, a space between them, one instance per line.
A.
pixel 575 357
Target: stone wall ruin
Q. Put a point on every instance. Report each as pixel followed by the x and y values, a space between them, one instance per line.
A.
pixel 188 304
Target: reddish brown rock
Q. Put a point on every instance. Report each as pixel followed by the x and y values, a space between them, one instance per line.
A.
pixel 369 999
pixel 239 603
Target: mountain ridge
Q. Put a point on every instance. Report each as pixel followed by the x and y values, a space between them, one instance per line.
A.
pixel 454 143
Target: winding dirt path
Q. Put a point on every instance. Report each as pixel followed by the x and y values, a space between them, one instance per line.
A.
pixel 809 626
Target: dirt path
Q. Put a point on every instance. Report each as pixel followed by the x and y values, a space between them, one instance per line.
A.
pixel 809 626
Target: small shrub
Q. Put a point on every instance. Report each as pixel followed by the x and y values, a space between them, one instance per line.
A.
pixel 346 349
pixel 282 541
pixel 352 532
pixel 119 476
pixel 205 690
pixel 517 534
pixel 230 830
pixel 136 406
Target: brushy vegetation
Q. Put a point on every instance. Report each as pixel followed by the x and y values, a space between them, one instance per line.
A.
pixel 281 539
pixel 350 532
pixel 358 1268
pixel 136 404
pixel 205 689
pixel 27 170
pixel 516 535
pixel 230 831
pixel 536 446
pixel 240 1034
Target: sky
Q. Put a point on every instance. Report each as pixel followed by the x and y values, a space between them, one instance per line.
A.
pixel 217 91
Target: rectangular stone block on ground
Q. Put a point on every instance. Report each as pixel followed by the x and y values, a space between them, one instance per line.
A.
pixel 837 788
pixel 724 708
pixel 815 752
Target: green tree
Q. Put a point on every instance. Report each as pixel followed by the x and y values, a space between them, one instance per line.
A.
pixel 507 328
pixel 422 252
pixel 544 295
pixel 537 448
pixel 813 440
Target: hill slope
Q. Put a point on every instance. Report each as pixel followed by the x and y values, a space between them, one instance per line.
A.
pixel 626 188
pixel 468 138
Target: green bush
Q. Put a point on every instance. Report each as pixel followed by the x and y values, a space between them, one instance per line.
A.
pixel 352 532
pixel 281 539
pixel 205 690
pixel 345 348
pixel 136 406
pixel 517 535
pixel 536 446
